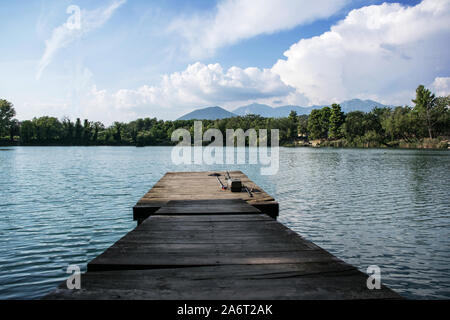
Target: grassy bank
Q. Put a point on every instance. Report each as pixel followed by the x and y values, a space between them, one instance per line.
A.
pixel 426 143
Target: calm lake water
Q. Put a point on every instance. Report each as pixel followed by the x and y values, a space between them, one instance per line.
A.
pixel 391 208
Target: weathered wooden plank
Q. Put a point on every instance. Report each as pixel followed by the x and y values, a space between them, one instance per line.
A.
pixel 216 206
pixel 209 227
pixel 209 218
pixel 135 259
pixel 211 248
pixel 317 280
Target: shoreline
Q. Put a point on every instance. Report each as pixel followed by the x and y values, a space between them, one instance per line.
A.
pixel 440 143
pixel 283 146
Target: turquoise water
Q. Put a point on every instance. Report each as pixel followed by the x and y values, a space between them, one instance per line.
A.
pixel 391 208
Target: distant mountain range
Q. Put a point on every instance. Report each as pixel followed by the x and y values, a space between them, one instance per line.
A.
pixel 213 113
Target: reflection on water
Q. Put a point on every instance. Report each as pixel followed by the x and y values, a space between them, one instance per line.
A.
pixel 65 205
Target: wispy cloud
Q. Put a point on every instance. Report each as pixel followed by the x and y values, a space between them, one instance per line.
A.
pixel 236 20
pixel 65 34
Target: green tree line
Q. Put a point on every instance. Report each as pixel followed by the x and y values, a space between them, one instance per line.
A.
pixel 428 118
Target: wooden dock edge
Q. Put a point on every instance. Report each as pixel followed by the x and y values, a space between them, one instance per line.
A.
pixel 142 210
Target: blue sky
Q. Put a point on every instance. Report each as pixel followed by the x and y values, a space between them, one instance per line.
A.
pixel 134 58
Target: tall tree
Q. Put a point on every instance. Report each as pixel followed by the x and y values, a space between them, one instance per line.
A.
pixel 425 107
pixel 336 121
pixel 117 135
pixel 314 124
pixel 78 131
pixel 319 123
pixel 303 124
pixel 7 113
pixel 292 131
pixel 87 132
pixel 442 124
pixel 14 129
pixel 98 126
pixel 293 116
pixel 355 125
pixel 26 131
pixel 68 130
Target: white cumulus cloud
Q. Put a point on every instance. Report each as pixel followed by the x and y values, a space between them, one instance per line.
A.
pixel 381 52
pixel 65 34
pixel 235 20
pixel 198 85
pixel 441 86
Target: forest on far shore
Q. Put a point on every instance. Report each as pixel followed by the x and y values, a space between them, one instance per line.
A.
pixel 425 124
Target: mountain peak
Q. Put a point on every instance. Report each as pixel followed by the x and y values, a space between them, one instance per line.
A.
pixel 255 108
pixel 208 113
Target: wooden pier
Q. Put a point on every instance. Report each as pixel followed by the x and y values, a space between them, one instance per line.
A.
pixel 197 241
pixel 200 186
